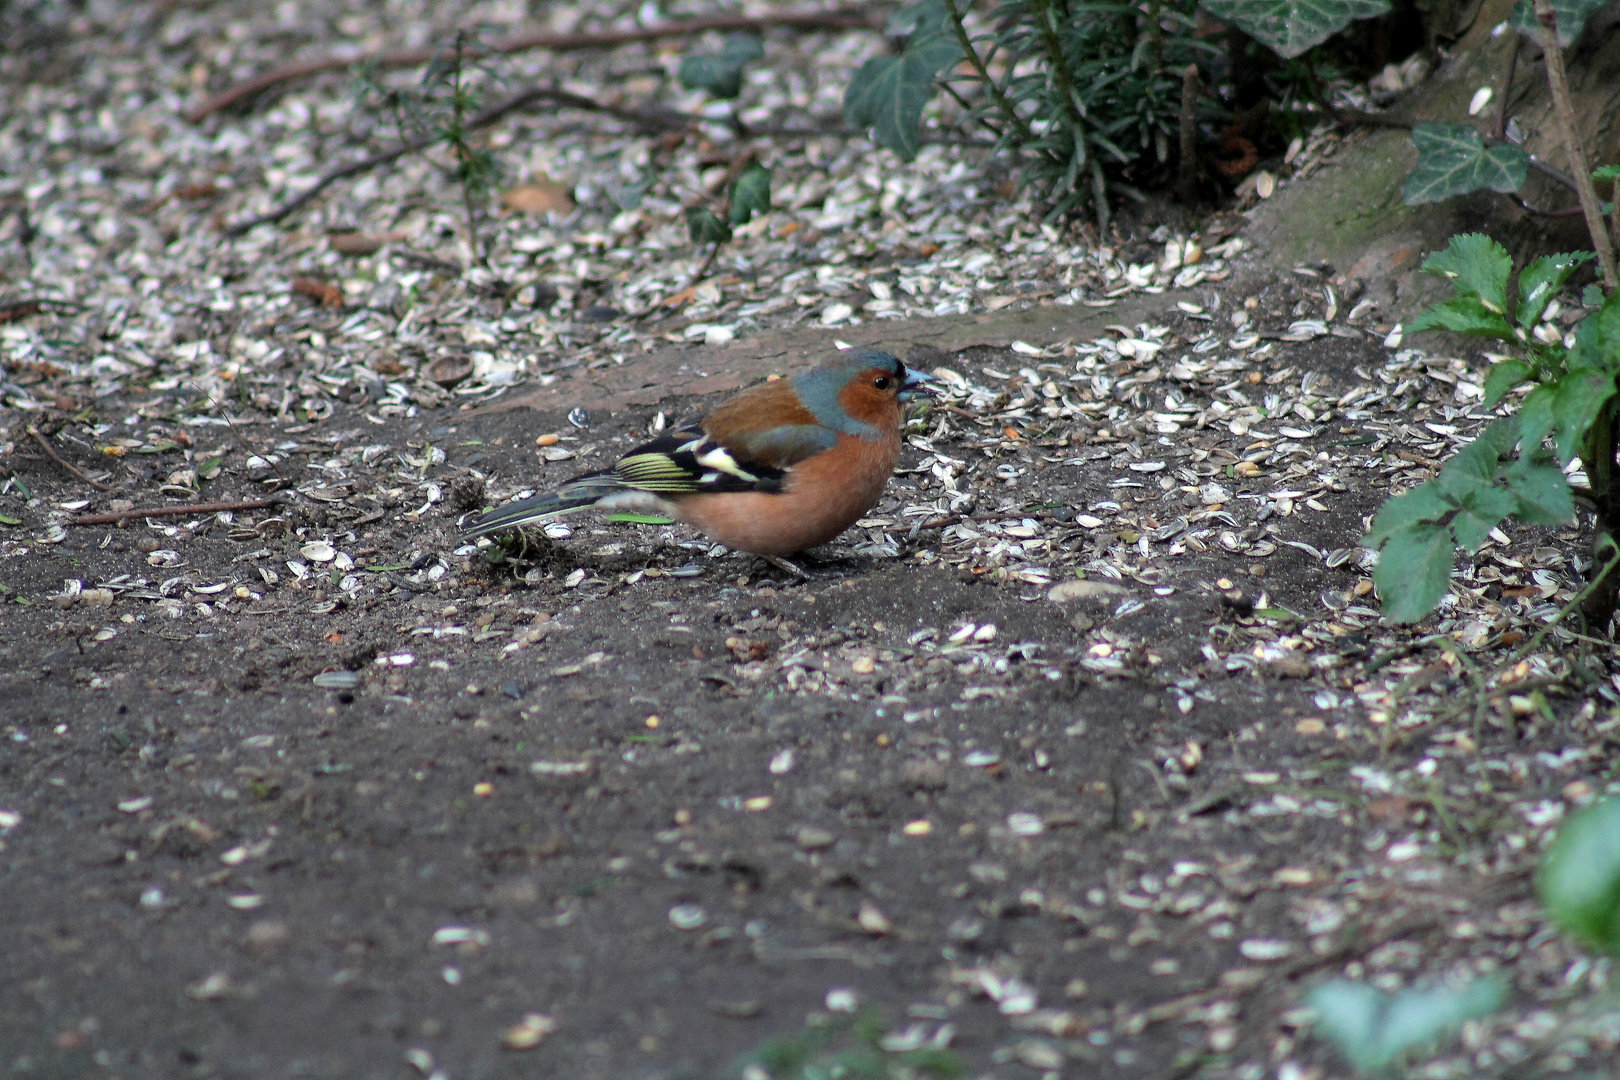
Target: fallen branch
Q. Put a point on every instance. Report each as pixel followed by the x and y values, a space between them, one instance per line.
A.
pixel 51 450
pixel 841 19
pixel 652 117
pixel 171 511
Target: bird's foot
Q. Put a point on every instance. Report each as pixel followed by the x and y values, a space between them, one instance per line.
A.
pixel 783 564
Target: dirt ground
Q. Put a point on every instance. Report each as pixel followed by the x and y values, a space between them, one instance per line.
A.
pixel 1085 753
pixel 676 802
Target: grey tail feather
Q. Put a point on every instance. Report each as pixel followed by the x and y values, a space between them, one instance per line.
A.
pixel 577 494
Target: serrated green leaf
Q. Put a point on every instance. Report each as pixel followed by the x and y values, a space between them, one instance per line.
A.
pixel 1482 510
pixel 1374 1029
pixel 1608 172
pixel 1541 281
pixel 1414 568
pixel 1476 266
pixel 1606 328
pixel 1426 502
pixel 1541 489
pixel 706 227
pixel 1453 160
pixel 1579 880
pixel 1535 417
pixel 721 73
pixel 1572 16
pixel 1290 27
pixel 1463 315
pixel 1578 397
pixel 750 194
pixel 1591 297
pixel 1504 377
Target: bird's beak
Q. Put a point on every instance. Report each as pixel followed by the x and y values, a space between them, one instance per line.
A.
pixel 916 384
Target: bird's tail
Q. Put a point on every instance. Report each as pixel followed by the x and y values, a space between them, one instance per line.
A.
pixel 577 494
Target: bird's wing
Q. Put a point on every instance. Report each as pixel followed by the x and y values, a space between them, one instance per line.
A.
pixel 689 461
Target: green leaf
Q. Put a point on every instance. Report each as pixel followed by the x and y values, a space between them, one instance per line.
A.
pixel 1477 266
pixel 750 194
pixel 1453 160
pixel 1608 330
pixel 1504 377
pixel 1414 568
pixel 1579 880
pixel 1535 417
pixel 7 519
pixel 209 469
pixel 642 519
pixel 887 94
pixel 1541 489
pixel 1578 397
pixel 706 226
pixel 1373 1029
pixel 1608 172
pixel 1426 502
pixel 1290 27
pixel 721 73
pixel 1482 510
pixel 1572 16
pixel 1541 281
pixel 1463 315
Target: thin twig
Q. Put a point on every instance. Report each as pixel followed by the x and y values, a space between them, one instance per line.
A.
pixel 1564 110
pixel 652 117
pixel 171 511
pixel 1507 87
pixel 1187 167
pixel 841 19
pixel 708 261
pixel 51 450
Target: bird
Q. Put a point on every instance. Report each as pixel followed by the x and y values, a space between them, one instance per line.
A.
pixel 782 467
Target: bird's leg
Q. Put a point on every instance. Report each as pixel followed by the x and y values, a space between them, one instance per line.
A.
pixel 783 564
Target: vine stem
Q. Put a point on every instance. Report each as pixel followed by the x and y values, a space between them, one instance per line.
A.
pixel 996 93
pixel 1564 109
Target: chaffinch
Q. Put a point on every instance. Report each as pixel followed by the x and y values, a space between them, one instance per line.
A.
pixel 779 468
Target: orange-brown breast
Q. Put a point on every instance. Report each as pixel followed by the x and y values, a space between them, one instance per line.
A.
pixel 825 495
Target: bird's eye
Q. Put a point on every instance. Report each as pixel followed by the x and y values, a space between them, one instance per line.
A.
pixel 882 382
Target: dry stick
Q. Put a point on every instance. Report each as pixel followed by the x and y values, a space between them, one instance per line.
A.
pixel 1186 182
pixel 659 117
pixel 1507 87
pixel 171 511
pixel 1564 109
pixel 51 450
pixel 842 19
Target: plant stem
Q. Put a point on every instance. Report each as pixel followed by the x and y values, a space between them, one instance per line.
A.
pixel 995 92
pixel 1564 109
pixel 1507 87
pixel 1059 73
pixel 1187 167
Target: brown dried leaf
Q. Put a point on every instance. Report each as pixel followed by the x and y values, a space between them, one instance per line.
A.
pixel 322 292
pixel 540 195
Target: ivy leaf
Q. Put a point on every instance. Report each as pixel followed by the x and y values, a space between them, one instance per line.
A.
pixel 1572 16
pixel 1541 281
pixel 887 94
pixel 721 73
pixel 1374 1029
pixel 1579 879
pixel 1463 315
pixel 1477 266
pixel 1414 568
pixel 1578 398
pixel 1453 160
pixel 750 194
pixel 1541 489
pixel 706 227
pixel 1426 502
pixel 1504 377
pixel 1290 27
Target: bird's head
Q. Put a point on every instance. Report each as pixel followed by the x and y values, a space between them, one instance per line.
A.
pixel 868 385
